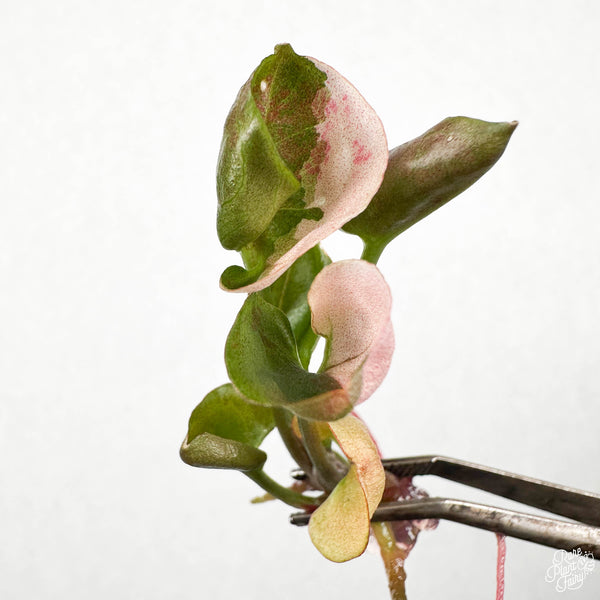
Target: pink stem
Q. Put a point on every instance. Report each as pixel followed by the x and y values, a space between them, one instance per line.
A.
pixel 500 566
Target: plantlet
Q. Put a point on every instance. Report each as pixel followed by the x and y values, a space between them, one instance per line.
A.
pixel 304 155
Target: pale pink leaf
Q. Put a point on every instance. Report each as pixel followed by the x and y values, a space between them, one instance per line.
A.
pixel 350 304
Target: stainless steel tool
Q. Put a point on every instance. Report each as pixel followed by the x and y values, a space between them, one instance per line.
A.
pixel 581 532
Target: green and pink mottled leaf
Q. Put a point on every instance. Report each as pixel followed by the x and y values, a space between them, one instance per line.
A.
pixel 302 154
pixel 340 527
pixel 351 306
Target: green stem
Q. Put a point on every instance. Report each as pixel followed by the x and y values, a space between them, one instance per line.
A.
pixel 372 251
pixel 393 559
pixel 291 441
pixel 326 464
pixel 280 492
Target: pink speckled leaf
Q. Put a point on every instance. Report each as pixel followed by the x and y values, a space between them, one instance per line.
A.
pixel 339 528
pixel 344 164
pixel 351 303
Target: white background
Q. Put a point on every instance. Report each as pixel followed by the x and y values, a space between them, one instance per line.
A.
pixel 112 324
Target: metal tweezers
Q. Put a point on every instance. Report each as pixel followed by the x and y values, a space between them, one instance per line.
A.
pixel 582 507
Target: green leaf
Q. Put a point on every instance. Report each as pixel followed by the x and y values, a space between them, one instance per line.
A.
pixel 302 153
pixel 225 432
pixel 289 294
pixel 263 363
pixel 427 172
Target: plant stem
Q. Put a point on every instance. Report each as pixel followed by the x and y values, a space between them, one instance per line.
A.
pixel 291 441
pixel 393 559
pixel 280 492
pixel 372 251
pixel 325 463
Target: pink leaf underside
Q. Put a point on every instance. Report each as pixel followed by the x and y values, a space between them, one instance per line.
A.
pixel 406 532
pixel 348 177
pixel 351 304
pixel 340 527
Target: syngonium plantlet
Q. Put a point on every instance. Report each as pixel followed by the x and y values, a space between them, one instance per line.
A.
pixel 303 155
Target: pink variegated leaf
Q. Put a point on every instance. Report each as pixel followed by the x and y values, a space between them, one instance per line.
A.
pixel 339 528
pixel 303 153
pixel 351 303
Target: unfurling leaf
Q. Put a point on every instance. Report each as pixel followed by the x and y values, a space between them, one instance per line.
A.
pixel 427 172
pixel 225 431
pixel 351 304
pixel 339 528
pixel 302 154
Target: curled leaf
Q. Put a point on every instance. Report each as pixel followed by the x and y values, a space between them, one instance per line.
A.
pixel 302 154
pixel 225 431
pixel 213 452
pixel 263 363
pixel 356 442
pixel 427 172
pixel 340 527
pixel 351 304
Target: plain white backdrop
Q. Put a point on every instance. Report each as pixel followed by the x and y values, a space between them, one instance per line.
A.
pixel 112 324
